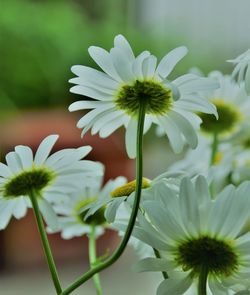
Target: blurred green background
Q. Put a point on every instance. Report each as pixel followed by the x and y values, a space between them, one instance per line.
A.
pixel 39 41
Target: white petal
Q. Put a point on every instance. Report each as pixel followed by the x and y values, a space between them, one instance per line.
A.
pixel 247 79
pixel 14 162
pixel 110 127
pixel 110 212
pixel 20 209
pixel 172 132
pixel 121 42
pixel 170 60
pixel 138 62
pixel 175 286
pixel 91 92
pixel 5 213
pixel 153 264
pixel 92 114
pixel 148 66
pixel 104 61
pixel 44 149
pixel 86 104
pixel 26 155
pixel 185 127
pixel 105 119
pixel 130 138
pixel 5 171
pixel 49 214
pixel 122 65
pixel 93 75
pixel 189 207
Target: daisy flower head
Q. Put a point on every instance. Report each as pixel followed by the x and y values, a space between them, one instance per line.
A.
pixel 72 213
pixel 197 237
pixel 233 106
pixel 49 177
pixel 242 69
pixel 128 82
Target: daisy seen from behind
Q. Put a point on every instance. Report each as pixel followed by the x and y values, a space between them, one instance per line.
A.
pixel 128 83
pixel 49 178
pixel 198 238
pixel 242 69
pixel 72 212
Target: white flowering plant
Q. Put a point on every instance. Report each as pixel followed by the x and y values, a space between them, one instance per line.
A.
pixel 192 222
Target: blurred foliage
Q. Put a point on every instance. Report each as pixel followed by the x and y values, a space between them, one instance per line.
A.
pixel 40 40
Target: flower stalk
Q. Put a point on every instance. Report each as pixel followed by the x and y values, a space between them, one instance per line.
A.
pixel 45 242
pixel 93 260
pixel 139 173
pixel 202 283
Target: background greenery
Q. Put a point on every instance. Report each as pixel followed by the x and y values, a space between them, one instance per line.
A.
pixel 40 40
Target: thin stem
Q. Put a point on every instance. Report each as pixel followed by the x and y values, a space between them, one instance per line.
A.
pixel 93 259
pixel 116 255
pixel 214 150
pixel 45 243
pixel 158 255
pixel 202 284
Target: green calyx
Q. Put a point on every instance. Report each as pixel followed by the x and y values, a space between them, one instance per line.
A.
pixel 157 98
pixel 96 219
pixel 229 117
pixel 217 256
pixel 24 183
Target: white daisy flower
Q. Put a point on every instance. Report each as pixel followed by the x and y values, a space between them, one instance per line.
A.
pixel 242 69
pixel 73 219
pixel 198 238
pixel 128 81
pixel 198 161
pixel 233 107
pixel 124 192
pixel 51 178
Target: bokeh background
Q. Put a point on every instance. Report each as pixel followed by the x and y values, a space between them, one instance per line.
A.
pixel 39 42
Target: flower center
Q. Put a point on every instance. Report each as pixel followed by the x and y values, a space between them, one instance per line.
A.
pixel 27 181
pixel 158 98
pixel 217 256
pixel 96 219
pixel 128 188
pixel 228 114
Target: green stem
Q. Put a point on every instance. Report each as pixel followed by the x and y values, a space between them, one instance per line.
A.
pixel 116 255
pixel 93 260
pixel 45 243
pixel 158 255
pixel 202 284
pixel 215 146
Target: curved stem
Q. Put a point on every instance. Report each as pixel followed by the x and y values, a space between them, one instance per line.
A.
pixel 45 242
pixel 116 255
pixel 93 260
pixel 202 284
pixel 214 150
pixel 158 255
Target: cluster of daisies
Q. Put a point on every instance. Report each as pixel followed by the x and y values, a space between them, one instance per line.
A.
pixel 193 223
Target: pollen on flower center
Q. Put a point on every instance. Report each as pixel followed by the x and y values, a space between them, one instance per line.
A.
pixel 128 188
pixel 217 256
pixel 96 219
pixel 27 181
pixel 158 99
pixel 228 114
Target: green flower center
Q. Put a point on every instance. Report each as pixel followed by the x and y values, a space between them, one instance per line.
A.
pixel 96 219
pixel 30 180
pixel 228 114
pixel 218 256
pixel 156 96
pixel 128 188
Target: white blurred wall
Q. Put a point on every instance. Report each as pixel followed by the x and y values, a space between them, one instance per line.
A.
pixel 206 23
